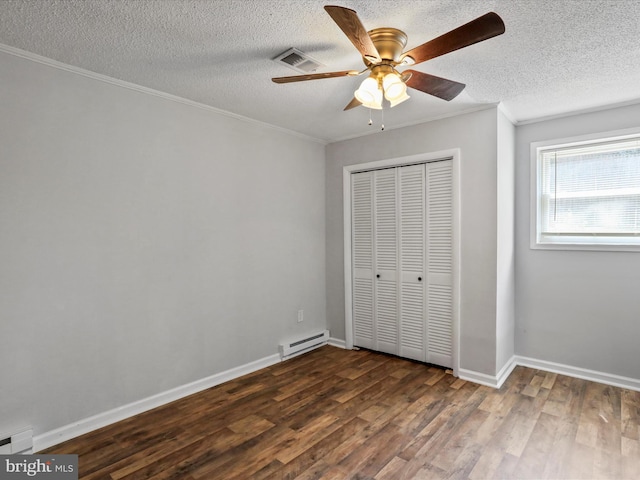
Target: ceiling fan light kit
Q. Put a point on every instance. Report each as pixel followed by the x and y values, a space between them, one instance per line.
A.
pixel 382 51
pixel 378 84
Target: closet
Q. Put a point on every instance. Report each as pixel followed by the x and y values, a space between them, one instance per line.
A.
pixel 402 261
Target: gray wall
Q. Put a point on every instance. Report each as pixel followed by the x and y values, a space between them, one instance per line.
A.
pixel 144 244
pixel 579 308
pixel 475 134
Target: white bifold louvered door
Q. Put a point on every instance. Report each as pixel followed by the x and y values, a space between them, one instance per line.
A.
pixel 385 260
pixel 439 262
pixel 412 262
pixel 402 261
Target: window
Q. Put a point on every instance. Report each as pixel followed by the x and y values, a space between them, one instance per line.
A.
pixel 587 194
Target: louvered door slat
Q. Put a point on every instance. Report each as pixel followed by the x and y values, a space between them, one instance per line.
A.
pixel 412 324
pixel 362 221
pixel 440 214
pixel 386 316
pixel 362 261
pixel 363 312
pixel 439 179
pixel 412 256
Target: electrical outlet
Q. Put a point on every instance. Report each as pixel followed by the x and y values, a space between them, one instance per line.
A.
pixel 300 316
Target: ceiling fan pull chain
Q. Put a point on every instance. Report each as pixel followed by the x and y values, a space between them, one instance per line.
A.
pixel 370 120
pixel 382 118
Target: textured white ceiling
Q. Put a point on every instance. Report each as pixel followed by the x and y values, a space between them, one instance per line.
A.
pixel 556 57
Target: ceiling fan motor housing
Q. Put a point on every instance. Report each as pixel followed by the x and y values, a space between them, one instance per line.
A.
pixel 389 42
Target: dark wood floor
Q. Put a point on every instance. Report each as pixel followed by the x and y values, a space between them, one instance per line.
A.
pixel 337 414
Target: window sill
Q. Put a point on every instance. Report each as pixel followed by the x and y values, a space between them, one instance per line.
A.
pixel 587 245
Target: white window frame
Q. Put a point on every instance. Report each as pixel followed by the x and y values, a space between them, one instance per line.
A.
pixel 586 242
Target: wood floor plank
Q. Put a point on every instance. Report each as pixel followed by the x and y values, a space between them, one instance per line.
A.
pixel 580 462
pixel 308 436
pixel 325 449
pixel 338 414
pixel 461 440
pixel 534 386
pixel 487 464
pixel 430 448
pixel 507 468
pixel 558 401
pixel 630 414
pixel 607 463
pixel 435 377
pixel 255 456
pixel 549 380
pixel 463 465
pixel 373 454
pixel 630 461
pixel 392 470
pixel 533 459
pixel 142 456
pixel 561 446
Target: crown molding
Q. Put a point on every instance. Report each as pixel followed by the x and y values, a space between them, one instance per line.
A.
pixel 478 108
pixel 574 113
pixel 16 52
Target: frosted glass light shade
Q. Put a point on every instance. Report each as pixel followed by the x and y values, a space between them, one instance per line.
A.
pixel 369 93
pixel 393 86
pixel 399 100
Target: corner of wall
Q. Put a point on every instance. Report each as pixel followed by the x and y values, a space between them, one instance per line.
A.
pixel 505 244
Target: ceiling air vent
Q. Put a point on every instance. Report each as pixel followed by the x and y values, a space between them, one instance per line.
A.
pixel 297 60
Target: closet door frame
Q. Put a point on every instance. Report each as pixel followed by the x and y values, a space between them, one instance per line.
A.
pixel 454 156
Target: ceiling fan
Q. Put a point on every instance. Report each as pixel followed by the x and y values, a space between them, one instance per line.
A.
pixel 381 50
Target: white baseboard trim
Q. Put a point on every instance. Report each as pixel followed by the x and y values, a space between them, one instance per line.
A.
pixel 577 372
pixel 336 342
pixel 504 373
pixel 477 377
pixel 86 425
pixel 496 381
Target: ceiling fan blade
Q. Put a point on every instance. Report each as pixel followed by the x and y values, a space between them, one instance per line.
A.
pixel 352 104
pixel 482 28
pixel 436 86
pixel 352 27
pixel 315 76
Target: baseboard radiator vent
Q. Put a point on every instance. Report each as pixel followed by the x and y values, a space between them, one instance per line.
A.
pixel 298 347
pixel 21 442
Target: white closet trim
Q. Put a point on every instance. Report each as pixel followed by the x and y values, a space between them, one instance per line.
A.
pixel 454 155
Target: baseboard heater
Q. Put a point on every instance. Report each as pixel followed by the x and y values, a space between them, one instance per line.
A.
pixel 298 347
pixel 20 442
